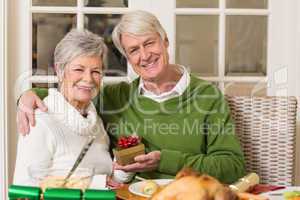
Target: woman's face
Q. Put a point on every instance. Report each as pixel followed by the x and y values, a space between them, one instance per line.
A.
pixel 81 80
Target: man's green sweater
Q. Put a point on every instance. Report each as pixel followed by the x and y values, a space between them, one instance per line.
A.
pixel 193 130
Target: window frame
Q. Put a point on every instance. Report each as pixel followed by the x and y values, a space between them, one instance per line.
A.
pixel 80 11
pixel 222 12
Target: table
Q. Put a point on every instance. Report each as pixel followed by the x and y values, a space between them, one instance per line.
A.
pixel 124 194
pixel 278 194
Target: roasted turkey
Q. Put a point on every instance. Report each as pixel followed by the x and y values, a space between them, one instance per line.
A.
pixel 191 185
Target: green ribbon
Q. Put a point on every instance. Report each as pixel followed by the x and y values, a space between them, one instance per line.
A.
pixel 99 195
pixel 62 194
pixel 22 192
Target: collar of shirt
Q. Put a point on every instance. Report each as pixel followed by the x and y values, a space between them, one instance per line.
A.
pixel 178 90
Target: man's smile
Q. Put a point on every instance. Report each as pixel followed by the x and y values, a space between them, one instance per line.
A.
pixel 150 64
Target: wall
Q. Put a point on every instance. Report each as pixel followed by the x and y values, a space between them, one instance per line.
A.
pixel 292 59
pixel 297 91
pixel 3 119
pixel 14 61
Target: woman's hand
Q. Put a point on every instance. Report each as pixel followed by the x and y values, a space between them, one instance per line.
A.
pixel 28 102
pixel 147 162
pixel 111 184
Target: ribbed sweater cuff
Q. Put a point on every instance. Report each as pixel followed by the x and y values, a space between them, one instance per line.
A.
pixel 170 161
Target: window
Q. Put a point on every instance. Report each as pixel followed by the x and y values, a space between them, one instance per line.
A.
pixel 223 41
pixel 51 20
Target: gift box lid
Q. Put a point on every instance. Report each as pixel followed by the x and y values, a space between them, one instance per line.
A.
pixel 99 195
pixel 21 192
pixel 131 150
pixel 62 194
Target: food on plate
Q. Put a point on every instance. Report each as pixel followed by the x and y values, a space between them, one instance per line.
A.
pixel 149 187
pixel 248 196
pixel 246 183
pixel 191 185
pixel 58 182
pixel 293 195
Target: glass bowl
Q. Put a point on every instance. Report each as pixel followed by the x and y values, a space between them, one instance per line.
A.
pixel 55 178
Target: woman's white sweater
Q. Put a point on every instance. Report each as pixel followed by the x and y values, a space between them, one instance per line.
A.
pixel 58 137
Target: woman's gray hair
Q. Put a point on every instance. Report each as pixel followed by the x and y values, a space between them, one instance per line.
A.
pixel 78 43
pixel 137 23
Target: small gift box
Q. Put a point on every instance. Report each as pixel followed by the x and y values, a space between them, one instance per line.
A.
pixel 128 147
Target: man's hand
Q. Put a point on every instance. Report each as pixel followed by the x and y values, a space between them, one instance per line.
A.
pixel 28 102
pixel 147 162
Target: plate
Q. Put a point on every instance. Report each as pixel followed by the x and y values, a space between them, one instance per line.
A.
pixel 278 194
pixel 136 188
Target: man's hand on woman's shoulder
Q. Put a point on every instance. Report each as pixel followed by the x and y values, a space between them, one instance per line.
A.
pixel 28 102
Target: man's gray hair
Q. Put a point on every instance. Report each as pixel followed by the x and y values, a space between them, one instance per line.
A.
pixel 78 43
pixel 137 23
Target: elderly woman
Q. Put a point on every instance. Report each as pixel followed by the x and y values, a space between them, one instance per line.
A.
pixel 59 135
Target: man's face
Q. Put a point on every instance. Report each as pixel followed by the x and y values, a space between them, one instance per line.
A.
pixel 147 54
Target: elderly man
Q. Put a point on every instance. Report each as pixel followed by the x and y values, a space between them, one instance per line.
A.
pixel 183 121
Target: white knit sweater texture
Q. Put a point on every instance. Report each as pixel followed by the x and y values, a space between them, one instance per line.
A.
pixel 57 139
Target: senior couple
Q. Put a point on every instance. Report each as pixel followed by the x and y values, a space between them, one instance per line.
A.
pixel 183 121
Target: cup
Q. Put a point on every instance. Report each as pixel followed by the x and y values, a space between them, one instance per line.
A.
pixel 55 178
